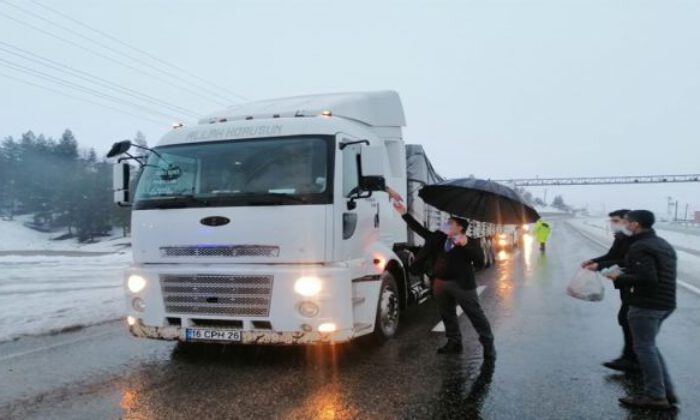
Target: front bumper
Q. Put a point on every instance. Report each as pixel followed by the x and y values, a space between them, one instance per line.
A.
pixel 287 324
pixel 247 337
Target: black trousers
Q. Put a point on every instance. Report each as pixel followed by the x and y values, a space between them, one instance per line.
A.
pixel 448 294
pixel 628 350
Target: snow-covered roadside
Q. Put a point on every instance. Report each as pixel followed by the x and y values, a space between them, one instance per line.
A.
pixel 688 263
pixel 14 236
pixel 42 294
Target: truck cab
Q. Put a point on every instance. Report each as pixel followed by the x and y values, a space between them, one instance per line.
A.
pixel 267 223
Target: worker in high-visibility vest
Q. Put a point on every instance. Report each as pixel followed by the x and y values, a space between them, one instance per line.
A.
pixel 541 231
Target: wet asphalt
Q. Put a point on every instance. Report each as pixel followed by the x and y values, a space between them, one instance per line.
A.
pixel 550 348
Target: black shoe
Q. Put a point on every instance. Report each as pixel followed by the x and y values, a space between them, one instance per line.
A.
pixel 452 347
pixel 646 402
pixel 673 399
pixel 624 365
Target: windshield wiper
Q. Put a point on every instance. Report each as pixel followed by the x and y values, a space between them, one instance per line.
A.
pixel 179 200
pixel 282 198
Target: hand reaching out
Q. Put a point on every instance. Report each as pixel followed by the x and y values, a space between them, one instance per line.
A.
pixel 399 207
pixel 393 195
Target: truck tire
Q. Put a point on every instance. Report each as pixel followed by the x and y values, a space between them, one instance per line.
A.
pixel 388 309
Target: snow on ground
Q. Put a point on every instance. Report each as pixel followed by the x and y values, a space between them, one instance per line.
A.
pixel 14 236
pixel 687 245
pixel 40 294
pixel 47 286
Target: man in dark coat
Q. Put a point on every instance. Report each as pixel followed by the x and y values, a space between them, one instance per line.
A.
pixel 451 264
pixel 616 256
pixel 650 274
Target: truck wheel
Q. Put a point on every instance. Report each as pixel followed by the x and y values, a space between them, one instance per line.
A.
pixel 388 309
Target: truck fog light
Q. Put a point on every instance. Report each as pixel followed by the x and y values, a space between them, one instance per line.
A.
pixel 306 328
pixel 138 304
pixel 308 286
pixel 131 320
pixel 135 283
pixel 327 327
pixel 308 309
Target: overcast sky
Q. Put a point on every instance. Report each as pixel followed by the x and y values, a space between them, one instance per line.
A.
pixel 491 88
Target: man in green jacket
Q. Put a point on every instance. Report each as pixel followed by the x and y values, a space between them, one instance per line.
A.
pixel 542 230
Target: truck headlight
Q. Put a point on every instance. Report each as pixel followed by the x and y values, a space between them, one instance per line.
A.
pixel 135 283
pixel 308 286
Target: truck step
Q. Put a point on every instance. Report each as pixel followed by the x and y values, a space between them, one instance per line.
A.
pixel 359 326
pixel 358 300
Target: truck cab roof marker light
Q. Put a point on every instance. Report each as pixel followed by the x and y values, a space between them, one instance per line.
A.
pixel 177 125
pixel 326 113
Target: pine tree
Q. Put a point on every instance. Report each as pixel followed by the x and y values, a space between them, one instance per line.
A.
pixel 140 139
pixel 67 146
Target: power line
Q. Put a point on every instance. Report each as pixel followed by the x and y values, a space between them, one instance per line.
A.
pixel 145 53
pixel 106 57
pixel 24 69
pixel 27 55
pixel 142 117
pixel 100 44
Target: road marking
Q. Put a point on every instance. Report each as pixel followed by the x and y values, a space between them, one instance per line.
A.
pixel 689 287
pixel 53 346
pixel 440 327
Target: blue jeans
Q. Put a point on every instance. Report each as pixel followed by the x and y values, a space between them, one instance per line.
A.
pixel 645 325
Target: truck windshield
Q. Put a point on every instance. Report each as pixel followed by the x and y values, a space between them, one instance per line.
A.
pixel 269 171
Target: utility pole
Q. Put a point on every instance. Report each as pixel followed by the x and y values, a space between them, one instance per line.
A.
pixel 675 214
pixel 685 217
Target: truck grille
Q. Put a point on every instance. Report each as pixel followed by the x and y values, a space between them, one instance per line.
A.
pixel 213 294
pixel 220 251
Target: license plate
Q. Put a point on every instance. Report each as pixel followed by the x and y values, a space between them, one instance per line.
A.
pixel 206 334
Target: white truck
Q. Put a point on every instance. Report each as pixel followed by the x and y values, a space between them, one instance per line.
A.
pixel 267 223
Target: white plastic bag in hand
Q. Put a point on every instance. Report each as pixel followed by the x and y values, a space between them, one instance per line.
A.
pixel 586 285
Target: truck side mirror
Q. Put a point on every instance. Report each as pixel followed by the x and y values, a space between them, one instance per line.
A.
pixel 371 169
pixel 121 174
pixel 119 148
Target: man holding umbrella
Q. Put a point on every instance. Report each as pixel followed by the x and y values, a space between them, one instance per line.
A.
pixel 452 268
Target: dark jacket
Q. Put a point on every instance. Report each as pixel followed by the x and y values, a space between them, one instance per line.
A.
pixel 457 264
pixel 650 273
pixel 616 256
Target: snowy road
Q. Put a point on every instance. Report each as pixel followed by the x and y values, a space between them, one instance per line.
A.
pixel 550 350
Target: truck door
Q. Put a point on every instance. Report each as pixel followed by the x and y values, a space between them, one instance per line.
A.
pixel 359 222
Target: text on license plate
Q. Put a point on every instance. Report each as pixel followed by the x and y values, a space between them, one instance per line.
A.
pixel 193 334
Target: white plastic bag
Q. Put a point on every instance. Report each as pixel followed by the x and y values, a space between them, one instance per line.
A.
pixel 586 285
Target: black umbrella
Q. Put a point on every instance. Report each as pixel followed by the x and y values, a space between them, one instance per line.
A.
pixel 479 199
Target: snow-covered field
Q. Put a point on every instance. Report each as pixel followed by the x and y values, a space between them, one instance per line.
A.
pixel 48 286
pixel 16 237
pixel 687 245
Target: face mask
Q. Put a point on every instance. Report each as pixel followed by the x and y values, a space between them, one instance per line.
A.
pixel 445 228
pixel 616 227
pixel 626 231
